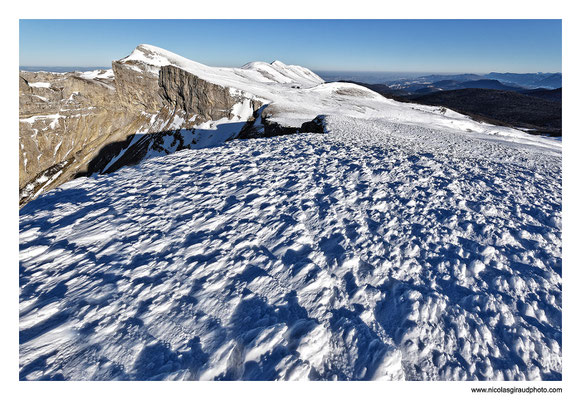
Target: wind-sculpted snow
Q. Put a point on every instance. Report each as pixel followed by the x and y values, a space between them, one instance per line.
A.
pixel 376 251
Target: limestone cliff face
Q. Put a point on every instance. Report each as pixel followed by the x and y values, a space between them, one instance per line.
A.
pixel 137 86
pixel 198 98
pixel 63 117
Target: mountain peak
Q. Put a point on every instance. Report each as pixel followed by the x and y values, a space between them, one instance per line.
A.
pixel 148 49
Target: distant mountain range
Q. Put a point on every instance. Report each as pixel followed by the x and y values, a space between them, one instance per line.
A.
pixel 450 84
pixel 538 80
pixel 411 82
pixel 511 82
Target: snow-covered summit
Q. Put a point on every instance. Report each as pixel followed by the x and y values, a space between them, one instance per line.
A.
pixel 282 73
pixel 196 105
pixel 254 72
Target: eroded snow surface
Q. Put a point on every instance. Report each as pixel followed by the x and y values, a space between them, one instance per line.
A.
pixel 379 250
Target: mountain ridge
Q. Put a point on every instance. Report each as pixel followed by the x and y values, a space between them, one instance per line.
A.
pixel 155 102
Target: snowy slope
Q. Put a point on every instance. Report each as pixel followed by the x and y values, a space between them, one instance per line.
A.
pixel 406 243
pixel 278 72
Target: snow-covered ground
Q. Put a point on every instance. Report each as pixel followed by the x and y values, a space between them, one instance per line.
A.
pixel 387 248
pixel 97 74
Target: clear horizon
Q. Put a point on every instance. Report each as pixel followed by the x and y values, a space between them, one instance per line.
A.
pixel 417 73
pixel 344 46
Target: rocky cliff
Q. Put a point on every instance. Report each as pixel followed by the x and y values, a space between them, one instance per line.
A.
pixel 64 120
pixel 154 102
pixel 76 124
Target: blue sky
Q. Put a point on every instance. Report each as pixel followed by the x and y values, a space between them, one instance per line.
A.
pixel 336 45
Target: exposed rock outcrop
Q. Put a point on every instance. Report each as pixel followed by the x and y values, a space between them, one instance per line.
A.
pixel 262 126
pixel 64 117
pixel 137 86
pixel 198 98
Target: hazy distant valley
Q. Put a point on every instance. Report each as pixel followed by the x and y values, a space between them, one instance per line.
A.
pixel 531 102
